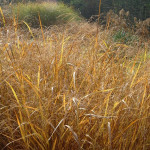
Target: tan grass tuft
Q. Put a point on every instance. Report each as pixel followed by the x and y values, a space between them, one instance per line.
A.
pixel 71 88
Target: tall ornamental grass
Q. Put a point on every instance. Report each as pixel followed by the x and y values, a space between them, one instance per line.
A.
pixel 72 87
pixel 49 13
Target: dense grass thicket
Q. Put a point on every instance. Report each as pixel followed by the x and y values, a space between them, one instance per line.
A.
pixel 49 13
pixel 73 86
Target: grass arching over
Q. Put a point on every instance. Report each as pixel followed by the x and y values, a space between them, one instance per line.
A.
pixel 50 13
pixel 69 91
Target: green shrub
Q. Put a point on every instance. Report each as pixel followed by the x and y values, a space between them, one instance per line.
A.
pixel 123 36
pixel 50 13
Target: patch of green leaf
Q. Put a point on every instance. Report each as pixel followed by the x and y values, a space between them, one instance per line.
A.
pixel 124 37
pixel 50 13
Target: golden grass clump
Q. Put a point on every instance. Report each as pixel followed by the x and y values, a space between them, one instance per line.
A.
pixel 142 27
pixel 69 87
pixel 122 21
pixel 116 21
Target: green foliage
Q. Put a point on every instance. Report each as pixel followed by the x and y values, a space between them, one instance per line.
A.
pixel 50 13
pixel 123 36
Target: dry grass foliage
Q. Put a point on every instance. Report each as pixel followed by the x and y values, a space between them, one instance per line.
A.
pixel 142 27
pixel 68 88
pixel 116 21
pixel 122 21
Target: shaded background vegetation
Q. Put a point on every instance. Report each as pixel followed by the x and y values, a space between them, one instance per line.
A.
pixel 87 8
pixel 137 8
